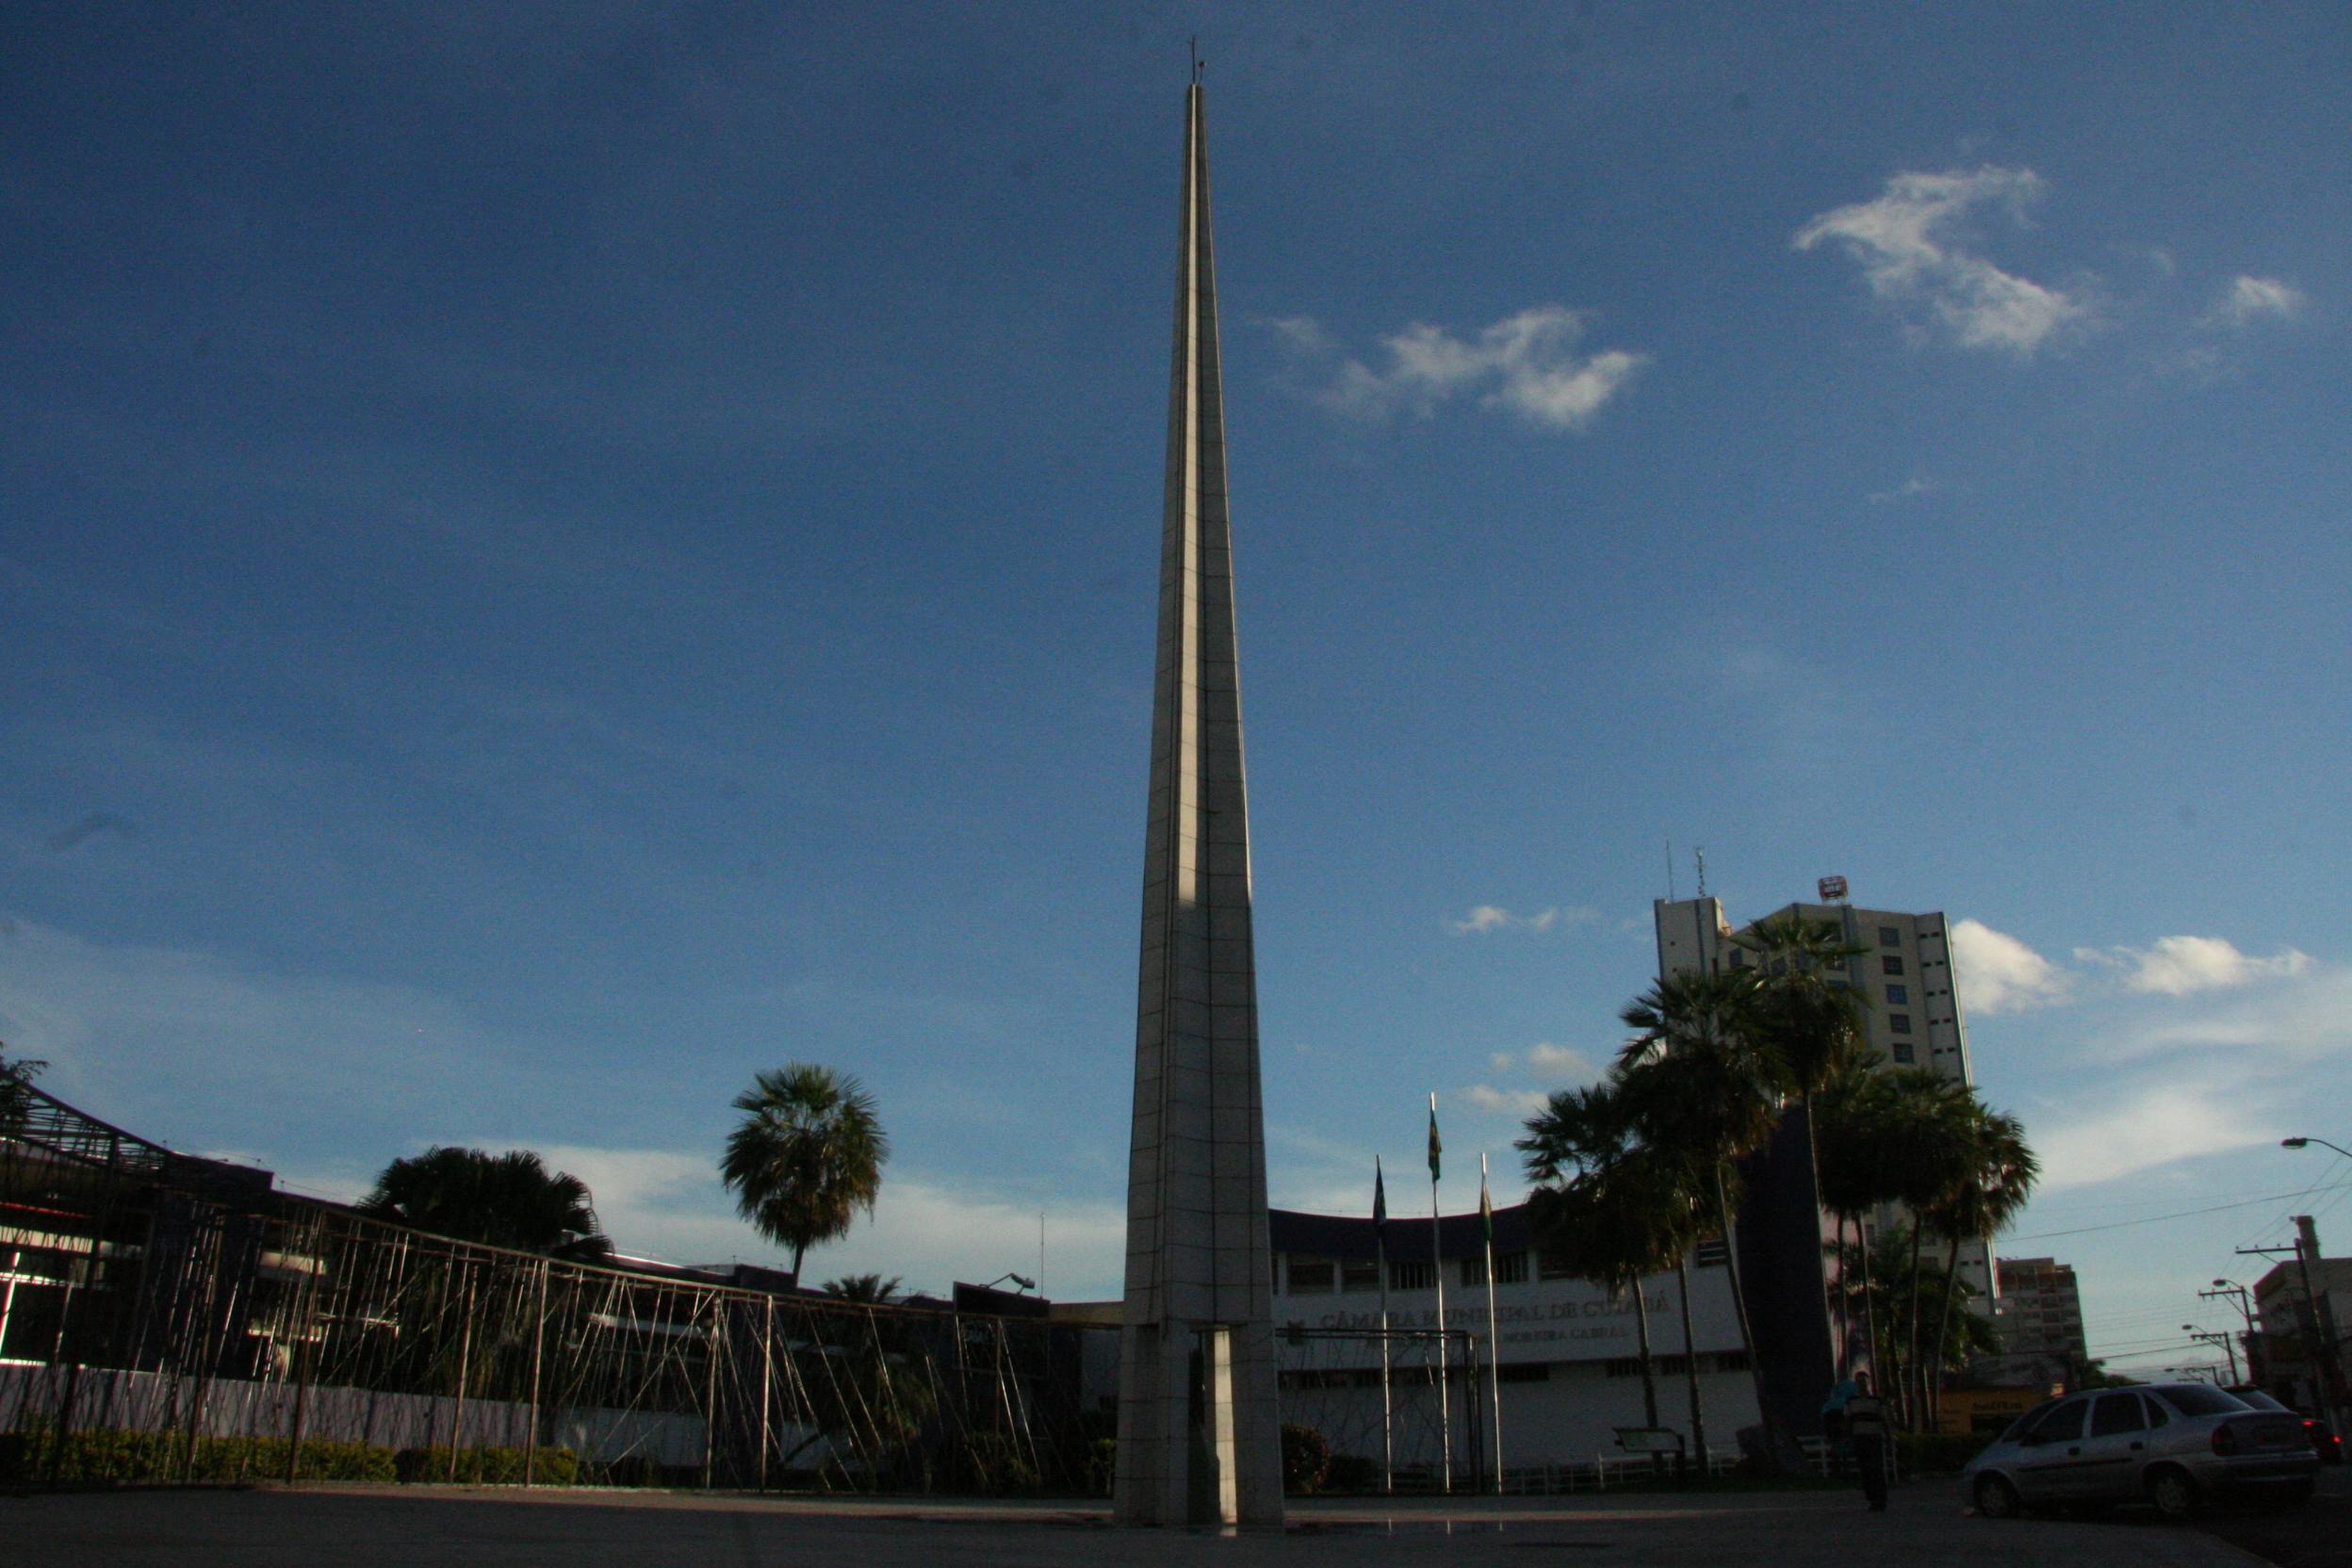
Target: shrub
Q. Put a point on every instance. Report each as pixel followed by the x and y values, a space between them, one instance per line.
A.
pixel 107 1456
pixel 998 1465
pixel 488 1466
pixel 1102 1465
pixel 1352 1473
pixel 1306 1456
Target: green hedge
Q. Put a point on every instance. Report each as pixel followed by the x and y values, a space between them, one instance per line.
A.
pixel 103 1456
pixel 487 1466
pixel 27 1458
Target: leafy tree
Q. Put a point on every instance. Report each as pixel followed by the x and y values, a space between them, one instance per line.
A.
pixel 510 1199
pixel 807 1155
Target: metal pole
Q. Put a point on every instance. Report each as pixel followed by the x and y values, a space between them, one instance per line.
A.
pixel 710 1392
pixel 538 1349
pixel 767 1378
pixel 1388 1414
pixel 1494 1344
pixel 464 1366
pixel 1437 1266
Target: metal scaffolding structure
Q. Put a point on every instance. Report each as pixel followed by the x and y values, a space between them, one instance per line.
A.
pixel 147 1292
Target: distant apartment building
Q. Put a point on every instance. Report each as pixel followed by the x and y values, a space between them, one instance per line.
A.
pixel 2039 1316
pixel 1903 972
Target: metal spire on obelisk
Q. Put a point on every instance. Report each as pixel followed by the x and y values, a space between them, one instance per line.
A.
pixel 1198 1436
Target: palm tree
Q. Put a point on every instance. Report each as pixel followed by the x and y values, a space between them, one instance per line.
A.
pixel 807 1155
pixel 1607 1206
pixel 1924 1118
pixel 1705 1096
pixel 1855 1160
pixel 2001 1171
pixel 510 1199
pixel 865 1290
pixel 16 1094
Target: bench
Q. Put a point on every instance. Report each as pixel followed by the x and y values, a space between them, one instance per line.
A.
pixel 1649 1440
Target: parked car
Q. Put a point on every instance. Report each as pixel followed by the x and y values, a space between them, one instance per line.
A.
pixel 2325 1442
pixel 2176 1445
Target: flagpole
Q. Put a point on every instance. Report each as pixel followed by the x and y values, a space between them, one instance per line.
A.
pixel 1437 1267
pixel 1494 1344
pixel 1388 1416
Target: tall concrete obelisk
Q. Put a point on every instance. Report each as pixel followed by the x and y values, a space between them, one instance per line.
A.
pixel 1198 1438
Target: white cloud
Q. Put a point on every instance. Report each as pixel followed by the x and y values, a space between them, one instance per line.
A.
pixel 1527 365
pixel 1914 250
pixel 1517 1103
pixel 2175 966
pixel 1915 486
pixel 2249 298
pixel 1997 974
pixel 2146 1128
pixel 1486 919
pixel 2306 1017
pixel 1546 1060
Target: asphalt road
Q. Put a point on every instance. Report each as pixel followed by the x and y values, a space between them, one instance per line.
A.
pixel 2317 1535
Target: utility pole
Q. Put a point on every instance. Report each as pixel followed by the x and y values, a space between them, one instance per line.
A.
pixel 2323 1315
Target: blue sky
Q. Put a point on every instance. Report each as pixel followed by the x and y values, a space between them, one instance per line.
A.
pixel 559 556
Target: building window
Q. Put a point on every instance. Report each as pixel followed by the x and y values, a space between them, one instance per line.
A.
pixel 1903 1052
pixel 1710 1254
pixel 1555 1263
pixel 1474 1269
pixel 1899 996
pixel 1899 1022
pixel 1890 964
pixel 1412 1276
pixel 1312 1276
pixel 1510 1269
pixel 1889 937
pixel 1357 1274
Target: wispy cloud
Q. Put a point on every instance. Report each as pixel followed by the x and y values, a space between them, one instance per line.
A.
pixel 1997 974
pixel 1545 1060
pixel 1517 1103
pixel 2249 300
pixel 2175 966
pixel 1530 365
pixel 1914 246
pixel 1916 486
pixel 1486 919
pixel 2145 1127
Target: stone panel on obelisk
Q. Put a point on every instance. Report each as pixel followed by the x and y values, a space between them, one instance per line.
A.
pixel 1199 1434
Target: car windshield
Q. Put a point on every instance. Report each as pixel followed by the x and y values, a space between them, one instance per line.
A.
pixel 2260 1400
pixel 2198 1399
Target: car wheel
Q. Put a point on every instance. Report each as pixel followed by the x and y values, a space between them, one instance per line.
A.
pixel 1996 1498
pixel 2174 1494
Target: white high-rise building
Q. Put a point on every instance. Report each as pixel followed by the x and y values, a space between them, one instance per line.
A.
pixel 1911 1017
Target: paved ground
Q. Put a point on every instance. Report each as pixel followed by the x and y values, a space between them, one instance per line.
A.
pixel 2318 1535
pixel 404 1528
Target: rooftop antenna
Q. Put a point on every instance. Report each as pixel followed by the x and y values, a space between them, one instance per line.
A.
pixel 1670 868
pixel 1699 853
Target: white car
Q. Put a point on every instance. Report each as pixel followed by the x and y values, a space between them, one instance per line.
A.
pixel 2174 1445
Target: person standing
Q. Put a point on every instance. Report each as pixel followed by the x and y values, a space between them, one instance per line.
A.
pixel 1865 1430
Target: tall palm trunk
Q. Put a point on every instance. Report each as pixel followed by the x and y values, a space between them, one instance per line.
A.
pixel 1739 1303
pixel 1649 1372
pixel 1918 1387
pixel 1690 1366
pixel 1870 1304
pixel 1943 1332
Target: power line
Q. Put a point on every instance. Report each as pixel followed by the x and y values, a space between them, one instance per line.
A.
pixel 2153 1218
